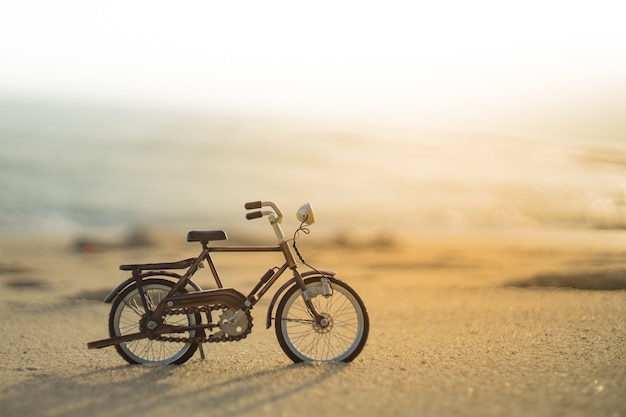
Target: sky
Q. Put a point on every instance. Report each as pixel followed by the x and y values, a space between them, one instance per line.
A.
pixel 480 64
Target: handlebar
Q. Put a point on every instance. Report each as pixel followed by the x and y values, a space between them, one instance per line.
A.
pixel 253 205
pixel 254 215
pixel 276 216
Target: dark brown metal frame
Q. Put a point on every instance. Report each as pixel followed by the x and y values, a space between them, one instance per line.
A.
pixel 193 264
pixel 259 290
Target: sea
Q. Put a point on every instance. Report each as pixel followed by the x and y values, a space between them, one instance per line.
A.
pixel 70 167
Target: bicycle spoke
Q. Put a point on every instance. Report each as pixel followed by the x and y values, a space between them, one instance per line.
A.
pixel 303 338
pixel 126 319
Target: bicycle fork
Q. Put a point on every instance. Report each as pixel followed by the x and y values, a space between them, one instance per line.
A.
pixel 308 294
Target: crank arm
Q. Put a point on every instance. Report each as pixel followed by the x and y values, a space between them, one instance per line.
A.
pixel 99 344
pixel 163 329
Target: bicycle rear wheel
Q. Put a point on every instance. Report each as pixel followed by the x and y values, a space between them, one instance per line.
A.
pixel 302 339
pixel 126 314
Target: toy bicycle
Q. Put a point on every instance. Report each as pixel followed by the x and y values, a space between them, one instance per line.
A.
pixel 159 316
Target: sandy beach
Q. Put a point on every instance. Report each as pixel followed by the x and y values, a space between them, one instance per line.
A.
pixel 467 166
pixel 502 324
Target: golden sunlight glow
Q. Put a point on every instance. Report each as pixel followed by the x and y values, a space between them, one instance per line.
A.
pixel 433 63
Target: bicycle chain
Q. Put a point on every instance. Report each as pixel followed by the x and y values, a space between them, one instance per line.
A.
pixel 212 338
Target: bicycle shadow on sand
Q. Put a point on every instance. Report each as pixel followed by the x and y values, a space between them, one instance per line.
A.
pixel 193 389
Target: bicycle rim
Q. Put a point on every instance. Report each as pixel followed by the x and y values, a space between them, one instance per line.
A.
pixel 303 339
pixel 126 315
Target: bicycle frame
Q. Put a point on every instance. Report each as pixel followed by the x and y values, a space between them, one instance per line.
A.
pixel 193 264
pixel 261 287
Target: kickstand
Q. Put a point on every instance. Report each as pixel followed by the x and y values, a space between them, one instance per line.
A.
pixel 201 351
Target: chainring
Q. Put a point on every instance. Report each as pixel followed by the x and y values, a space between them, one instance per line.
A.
pixel 232 329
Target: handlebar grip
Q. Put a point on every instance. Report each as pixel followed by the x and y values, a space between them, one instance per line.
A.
pixel 253 205
pixel 254 215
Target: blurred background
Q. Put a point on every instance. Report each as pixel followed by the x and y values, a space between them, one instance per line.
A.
pixel 389 117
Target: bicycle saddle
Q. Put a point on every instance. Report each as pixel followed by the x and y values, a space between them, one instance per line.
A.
pixel 206 236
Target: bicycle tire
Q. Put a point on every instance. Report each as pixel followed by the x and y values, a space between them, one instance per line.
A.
pixel 127 311
pixel 303 340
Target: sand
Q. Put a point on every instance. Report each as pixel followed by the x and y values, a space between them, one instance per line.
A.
pixel 519 324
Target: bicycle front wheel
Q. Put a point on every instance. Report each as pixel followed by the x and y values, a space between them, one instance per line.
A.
pixel 126 315
pixel 303 339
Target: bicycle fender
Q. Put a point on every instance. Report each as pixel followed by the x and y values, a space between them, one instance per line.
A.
pixel 307 274
pixel 109 298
